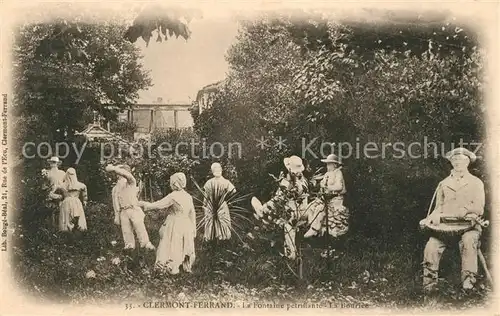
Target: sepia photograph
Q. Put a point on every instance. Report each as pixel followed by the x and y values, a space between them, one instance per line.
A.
pixel 249 157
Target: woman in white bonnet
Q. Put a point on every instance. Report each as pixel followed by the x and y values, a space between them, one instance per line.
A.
pixel 221 229
pixel 293 181
pixel 71 209
pixel 177 233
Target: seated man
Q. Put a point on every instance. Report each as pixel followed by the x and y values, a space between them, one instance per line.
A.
pixel 459 195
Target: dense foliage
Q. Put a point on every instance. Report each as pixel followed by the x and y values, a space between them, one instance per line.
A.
pixel 57 91
pixel 300 79
pixel 316 81
pixel 64 70
pixel 165 21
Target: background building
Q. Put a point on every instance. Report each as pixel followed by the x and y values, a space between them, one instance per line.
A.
pixel 157 115
pixel 204 98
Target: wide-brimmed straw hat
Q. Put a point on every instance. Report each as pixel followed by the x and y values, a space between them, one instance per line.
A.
pixel 54 160
pixel 332 158
pixel 294 164
pixel 461 151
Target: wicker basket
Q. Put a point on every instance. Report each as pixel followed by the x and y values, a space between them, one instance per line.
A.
pixel 447 229
pixel 446 226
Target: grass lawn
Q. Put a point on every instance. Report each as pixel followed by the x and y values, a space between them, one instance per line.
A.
pixel 92 267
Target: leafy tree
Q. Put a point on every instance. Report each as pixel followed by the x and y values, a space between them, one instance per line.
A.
pixel 166 21
pixel 395 81
pixel 65 70
pixel 125 129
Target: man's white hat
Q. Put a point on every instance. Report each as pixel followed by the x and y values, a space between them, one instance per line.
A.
pixel 461 151
pixel 54 160
pixel 332 158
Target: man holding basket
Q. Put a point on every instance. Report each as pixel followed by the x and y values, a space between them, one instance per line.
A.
pixel 460 201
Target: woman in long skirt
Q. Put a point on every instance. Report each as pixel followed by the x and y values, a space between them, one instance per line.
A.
pixel 177 233
pixel 328 214
pixel 71 209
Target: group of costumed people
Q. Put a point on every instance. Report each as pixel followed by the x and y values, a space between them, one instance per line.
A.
pixel 177 234
pixel 461 195
pixel 325 214
pixel 67 197
pixel 176 248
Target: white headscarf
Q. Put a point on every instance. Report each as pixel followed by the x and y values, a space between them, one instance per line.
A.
pixel 70 181
pixel 178 181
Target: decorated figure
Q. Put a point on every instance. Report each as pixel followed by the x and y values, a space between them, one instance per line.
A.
pixel 327 213
pixel 177 233
pixel 128 214
pixel 460 201
pixel 72 214
pixel 217 226
pixel 289 204
pixel 55 177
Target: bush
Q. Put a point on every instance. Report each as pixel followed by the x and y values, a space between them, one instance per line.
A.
pixel 340 88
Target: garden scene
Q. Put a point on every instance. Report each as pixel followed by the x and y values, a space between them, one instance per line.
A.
pixel 304 76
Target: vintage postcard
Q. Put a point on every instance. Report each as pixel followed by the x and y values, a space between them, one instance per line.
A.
pixel 249 157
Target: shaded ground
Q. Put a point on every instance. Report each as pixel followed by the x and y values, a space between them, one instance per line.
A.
pixel 91 267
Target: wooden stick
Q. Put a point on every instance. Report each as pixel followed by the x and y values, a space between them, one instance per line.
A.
pixel 485 267
pixel 432 201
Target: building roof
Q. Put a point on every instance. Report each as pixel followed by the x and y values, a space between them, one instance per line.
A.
pixel 213 87
pixel 156 106
pixel 159 105
pixel 94 131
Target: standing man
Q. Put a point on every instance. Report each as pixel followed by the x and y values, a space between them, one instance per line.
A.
pixel 459 195
pixel 55 177
pixel 128 214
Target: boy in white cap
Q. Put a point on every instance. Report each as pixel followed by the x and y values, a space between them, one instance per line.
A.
pixel 459 195
pixel 128 214
pixel 55 177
